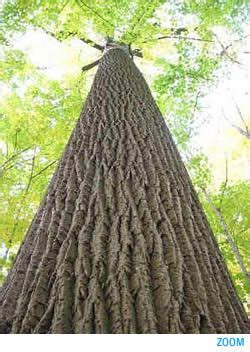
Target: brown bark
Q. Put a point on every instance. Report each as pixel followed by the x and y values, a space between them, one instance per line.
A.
pixel 120 243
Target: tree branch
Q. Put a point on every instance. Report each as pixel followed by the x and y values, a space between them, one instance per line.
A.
pixel 179 37
pixel 224 50
pixel 31 173
pixel 89 66
pixel 245 133
pixel 45 168
pixel 241 131
pixel 241 117
pixel 13 157
pixel 81 4
pixel 88 41
pixel 137 52
pixel 92 43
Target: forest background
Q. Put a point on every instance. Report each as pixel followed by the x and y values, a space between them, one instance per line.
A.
pixel 195 55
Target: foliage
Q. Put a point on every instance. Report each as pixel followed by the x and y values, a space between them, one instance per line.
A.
pixel 179 89
pixel 36 119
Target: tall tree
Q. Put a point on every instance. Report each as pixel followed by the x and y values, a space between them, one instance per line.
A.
pixel 120 243
pixel 184 54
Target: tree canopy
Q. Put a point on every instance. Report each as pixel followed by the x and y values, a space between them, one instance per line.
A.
pixel 185 50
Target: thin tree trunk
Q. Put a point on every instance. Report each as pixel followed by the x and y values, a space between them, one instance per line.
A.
pixel 120 243
pixel 228 236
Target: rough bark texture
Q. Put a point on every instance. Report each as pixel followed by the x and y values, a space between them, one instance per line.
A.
pixel 120 244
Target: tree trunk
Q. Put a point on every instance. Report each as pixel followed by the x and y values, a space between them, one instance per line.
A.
pixel 120 244
pixel 227 235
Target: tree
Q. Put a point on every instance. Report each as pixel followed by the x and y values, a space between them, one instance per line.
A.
pixel 228 215
pixel 120 243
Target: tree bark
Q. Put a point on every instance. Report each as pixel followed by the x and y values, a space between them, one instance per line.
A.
pixel 120 243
